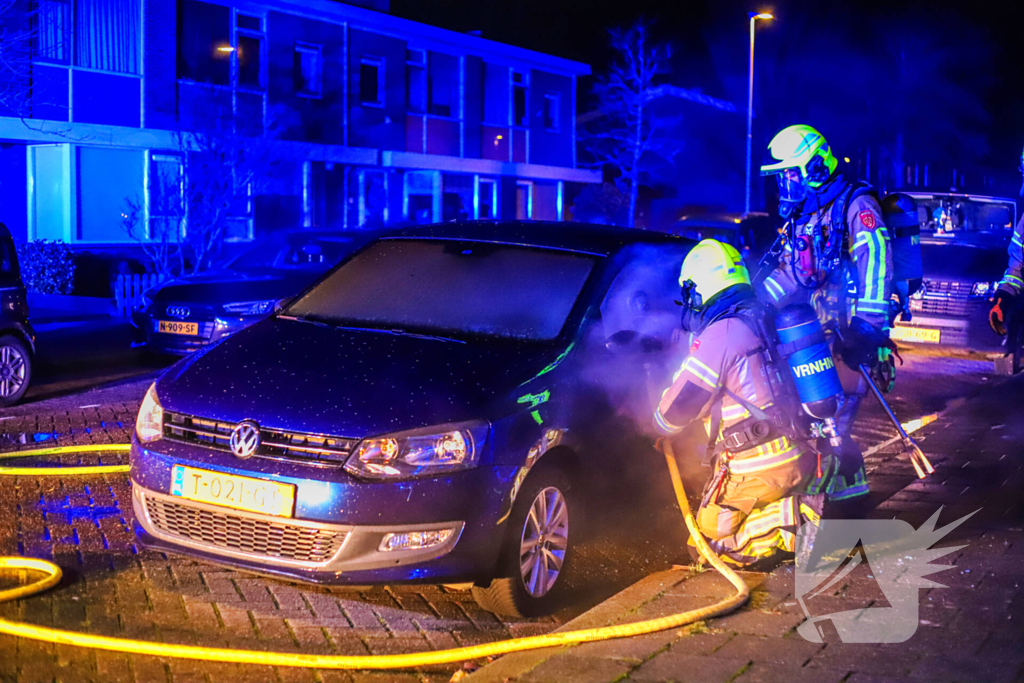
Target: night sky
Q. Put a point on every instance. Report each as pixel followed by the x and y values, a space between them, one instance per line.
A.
pixel 711 40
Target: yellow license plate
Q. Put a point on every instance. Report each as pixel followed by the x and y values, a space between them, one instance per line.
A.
pixel 915 334
pixel 172 327
pixel 233 491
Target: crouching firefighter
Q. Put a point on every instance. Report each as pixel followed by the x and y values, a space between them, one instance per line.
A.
pixel 756 499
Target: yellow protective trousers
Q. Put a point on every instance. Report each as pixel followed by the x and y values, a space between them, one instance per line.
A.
pixel 752 516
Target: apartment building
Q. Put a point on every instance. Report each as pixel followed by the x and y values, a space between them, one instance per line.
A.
pixel 371 119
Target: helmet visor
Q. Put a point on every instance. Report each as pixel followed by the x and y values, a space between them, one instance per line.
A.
pixel 792 186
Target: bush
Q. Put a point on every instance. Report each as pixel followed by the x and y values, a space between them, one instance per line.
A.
pixel 96 272
pixel 47 266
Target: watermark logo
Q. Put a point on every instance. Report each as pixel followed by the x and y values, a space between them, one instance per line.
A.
pixel 897 557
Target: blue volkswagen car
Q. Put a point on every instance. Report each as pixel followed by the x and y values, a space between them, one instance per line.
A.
pixel 428 411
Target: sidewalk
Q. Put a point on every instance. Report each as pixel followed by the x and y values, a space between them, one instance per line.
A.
pixel 48 309
pixel 972 630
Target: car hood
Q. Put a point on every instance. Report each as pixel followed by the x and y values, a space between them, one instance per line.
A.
pixel 963 262
pixel 300 377
pixel 230 286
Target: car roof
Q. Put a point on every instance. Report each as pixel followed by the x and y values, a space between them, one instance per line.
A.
pixel 916 194
pixel 582 237
pixel 725 220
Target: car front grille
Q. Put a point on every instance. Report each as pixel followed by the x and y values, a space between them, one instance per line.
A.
pixel 274 443
pixel 229 531
pixel 946 298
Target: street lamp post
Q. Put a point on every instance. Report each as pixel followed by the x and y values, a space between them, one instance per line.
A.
pixel 750 106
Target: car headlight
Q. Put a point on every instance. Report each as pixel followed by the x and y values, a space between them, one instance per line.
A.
pixel 250 307
pixel 421 452
pixel 149 425
pixel 983 288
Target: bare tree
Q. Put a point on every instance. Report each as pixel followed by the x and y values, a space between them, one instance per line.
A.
pixel 16 36
pixel 25 92
pixel 628 134
pixel 158 231
pixel 221 168
pixel 223 172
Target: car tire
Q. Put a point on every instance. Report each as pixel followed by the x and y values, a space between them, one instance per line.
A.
pixel 15 370
pixel 528 584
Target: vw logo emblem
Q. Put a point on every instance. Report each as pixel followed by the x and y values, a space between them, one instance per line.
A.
pixel 180 312
pixel 245 439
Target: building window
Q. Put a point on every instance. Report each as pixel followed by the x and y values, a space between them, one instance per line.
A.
pixel 105 33
pixel 166 197
pixel 373 199
pixel 443 84
pixel 551 110
pixel 248 23
pixel 456 197
pixel 307 70
pixel 106 176
pixel 416 80
pixel 487 199
pixel 51 30
pixel 240 222
pixel 204 43
pixel 371 81
pixel 495 94
pixel 519 96
pixel 421 187
pixel 524 200
pixel 249 50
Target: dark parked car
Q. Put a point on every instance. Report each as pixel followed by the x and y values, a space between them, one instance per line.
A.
pixel 964 239
pixel 429 411
pixel 752 234
pixel 17 339
pixel 190 312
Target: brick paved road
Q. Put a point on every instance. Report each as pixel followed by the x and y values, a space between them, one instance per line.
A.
pixel 971 629
pixel 114 588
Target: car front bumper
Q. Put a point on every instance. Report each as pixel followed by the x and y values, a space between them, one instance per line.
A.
pixel 969 332
pixel 339 524
pixel 211 329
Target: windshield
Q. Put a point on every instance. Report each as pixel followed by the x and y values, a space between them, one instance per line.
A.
pixel 451 287
pixel 949 215
pixel 296 254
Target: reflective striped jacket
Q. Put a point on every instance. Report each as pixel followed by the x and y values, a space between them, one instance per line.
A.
pixel 869 268
pixel 1013 280
pixel 724 355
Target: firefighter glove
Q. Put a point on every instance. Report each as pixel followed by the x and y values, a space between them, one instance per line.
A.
pixel 1000 308
pixel 860 344
pixel 884 374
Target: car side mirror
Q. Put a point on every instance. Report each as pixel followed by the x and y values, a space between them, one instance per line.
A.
pixel 281 304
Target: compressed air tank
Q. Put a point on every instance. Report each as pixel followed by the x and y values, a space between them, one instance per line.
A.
pixel 802 343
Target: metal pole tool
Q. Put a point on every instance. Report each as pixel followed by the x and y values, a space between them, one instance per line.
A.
pixel 922 465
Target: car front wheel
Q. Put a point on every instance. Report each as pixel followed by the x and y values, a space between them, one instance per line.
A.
pixel 537 549
pixel 15 370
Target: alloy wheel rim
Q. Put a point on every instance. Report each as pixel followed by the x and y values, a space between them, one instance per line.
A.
pixel 12 371
pixel 544 542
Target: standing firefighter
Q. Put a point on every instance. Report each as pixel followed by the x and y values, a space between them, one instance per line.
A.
pixel 753 505
pixel 1012 284
pixel 837 257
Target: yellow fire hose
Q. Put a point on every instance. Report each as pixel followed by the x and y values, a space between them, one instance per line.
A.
pixel 62 471
pixel 461 654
